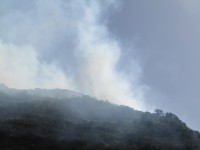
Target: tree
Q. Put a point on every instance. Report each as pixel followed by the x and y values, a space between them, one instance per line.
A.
pixel 159 112
pixel 171 115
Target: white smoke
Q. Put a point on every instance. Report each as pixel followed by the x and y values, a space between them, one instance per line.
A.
pixel 20 68
pixel 63 44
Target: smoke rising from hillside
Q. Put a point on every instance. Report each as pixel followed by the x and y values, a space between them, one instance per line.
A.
pixel 64 44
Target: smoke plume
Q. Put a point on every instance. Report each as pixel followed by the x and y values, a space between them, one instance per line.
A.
pixel 64 44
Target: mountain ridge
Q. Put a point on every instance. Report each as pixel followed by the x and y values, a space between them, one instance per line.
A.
pixel 83 122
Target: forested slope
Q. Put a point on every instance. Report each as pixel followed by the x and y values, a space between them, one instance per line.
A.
pixel 38 121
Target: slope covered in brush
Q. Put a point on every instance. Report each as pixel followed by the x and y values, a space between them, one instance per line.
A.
pixel 32 119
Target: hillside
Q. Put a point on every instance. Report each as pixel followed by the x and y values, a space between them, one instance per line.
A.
pixel 66 120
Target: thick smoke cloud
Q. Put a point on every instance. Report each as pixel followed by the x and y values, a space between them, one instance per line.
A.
pixel 20 68
pixel 64 44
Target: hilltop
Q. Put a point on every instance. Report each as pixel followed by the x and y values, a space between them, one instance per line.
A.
pixel 63 119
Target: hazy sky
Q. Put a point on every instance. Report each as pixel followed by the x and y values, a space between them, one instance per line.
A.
pixel 166 40
pixel 141 53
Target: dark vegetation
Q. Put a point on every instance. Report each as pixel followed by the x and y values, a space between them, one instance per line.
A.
pixel 31 122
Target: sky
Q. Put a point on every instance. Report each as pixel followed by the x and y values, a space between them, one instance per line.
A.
pixel 165 41
pixel 140 53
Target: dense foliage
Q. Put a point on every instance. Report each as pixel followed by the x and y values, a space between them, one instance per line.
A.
pixel 30 122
